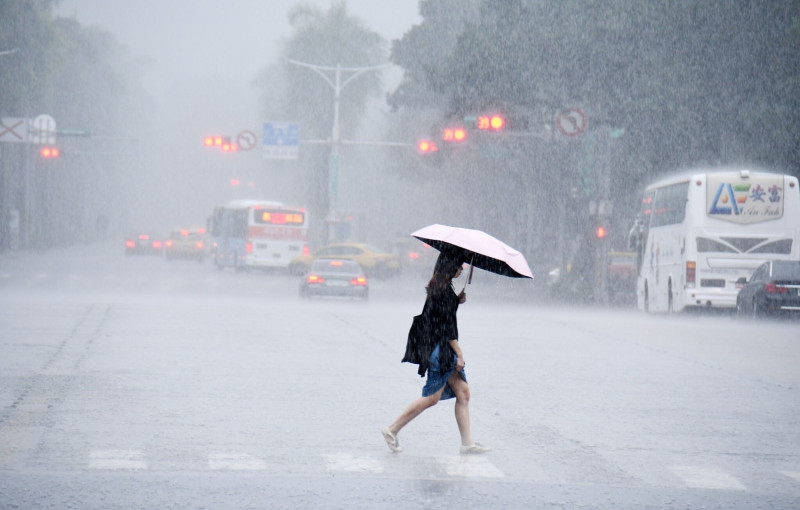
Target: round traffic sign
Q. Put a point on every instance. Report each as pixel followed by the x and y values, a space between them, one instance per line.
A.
pixel 246 140
pixel 571 122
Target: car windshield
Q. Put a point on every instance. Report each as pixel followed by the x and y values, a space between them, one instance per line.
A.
pixel 786 270
pixel 335 266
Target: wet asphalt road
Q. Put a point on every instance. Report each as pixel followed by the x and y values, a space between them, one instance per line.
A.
pixel 137 383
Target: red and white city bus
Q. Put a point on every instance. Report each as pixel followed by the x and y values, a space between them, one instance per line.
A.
pixel 257 234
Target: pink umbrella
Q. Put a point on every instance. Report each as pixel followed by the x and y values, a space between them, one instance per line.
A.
pixel 476 247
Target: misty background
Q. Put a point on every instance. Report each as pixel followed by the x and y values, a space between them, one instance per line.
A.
pixel 135 86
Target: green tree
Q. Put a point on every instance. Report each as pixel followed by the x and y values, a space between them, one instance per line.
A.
pixel 86 81
pixel 327 38
pixel 692 83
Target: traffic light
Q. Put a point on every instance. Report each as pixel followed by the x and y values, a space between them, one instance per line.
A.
pixel 220 142
pixel 600 232
pixel 490 122
pixel 426 146
pixel 49 152
pixel 454 134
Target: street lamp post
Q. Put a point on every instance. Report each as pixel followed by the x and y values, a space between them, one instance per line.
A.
pixel 333 77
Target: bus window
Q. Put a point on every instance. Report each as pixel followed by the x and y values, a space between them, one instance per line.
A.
pixel 669 206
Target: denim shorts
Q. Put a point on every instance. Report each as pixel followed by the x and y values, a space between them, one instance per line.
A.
pixel 436 379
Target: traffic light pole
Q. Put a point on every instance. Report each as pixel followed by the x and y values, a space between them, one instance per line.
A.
pixel 333 77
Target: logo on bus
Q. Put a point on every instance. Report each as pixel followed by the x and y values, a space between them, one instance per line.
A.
pixel 745 202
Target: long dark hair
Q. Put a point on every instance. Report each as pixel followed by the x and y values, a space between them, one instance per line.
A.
pixel 443 273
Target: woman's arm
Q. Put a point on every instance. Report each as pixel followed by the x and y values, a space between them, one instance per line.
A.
pixel 457 349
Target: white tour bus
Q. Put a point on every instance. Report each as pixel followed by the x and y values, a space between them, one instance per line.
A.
pixel 258 234
pixel 697 233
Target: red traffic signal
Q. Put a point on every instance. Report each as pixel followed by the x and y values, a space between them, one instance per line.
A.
pixel 220 142
pixel 491 122
pixel 454 134
pixel 49 152
pixel 600 232
pixel 426 146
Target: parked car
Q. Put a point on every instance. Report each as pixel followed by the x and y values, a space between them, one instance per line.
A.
pixel 143 242
pixel 373 261
pixel 773 288
pixel 185 244
pixel 335 277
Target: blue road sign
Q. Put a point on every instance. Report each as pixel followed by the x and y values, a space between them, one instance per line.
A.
pixel 281 140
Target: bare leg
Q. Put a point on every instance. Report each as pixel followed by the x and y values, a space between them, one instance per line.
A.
pixel 413 410
pixel 461 390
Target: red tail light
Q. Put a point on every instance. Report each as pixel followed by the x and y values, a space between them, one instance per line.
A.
pixel 157 245
pixel 130 244
pixel 413 255
pixel 169 244
pixel 312 278
pixel 691 273
pixel 144 237
pixel 305 249
pixel 360 280
pixel 771 288
pixel 199 245
pixel 249 248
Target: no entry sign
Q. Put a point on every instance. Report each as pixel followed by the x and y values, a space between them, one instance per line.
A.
pixel 571 122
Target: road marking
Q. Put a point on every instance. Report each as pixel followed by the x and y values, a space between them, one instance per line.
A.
pixel 235 462
pixel 117 459
pixel 470 466
pixel 350 463
pixel 706 478
pixel 791 474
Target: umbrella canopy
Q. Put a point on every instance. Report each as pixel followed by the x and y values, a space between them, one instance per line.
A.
pixel 476 247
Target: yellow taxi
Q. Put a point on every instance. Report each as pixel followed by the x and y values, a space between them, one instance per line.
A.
pixel 373 261
pixel 185 244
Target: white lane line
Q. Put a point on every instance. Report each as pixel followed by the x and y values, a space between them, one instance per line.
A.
pixel 235 462
pixel 350 463
pixel 117 459
pixel 707 478
pixel 791 474
pixel 470 466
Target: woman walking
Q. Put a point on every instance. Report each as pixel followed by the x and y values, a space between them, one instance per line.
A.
pixel 438 352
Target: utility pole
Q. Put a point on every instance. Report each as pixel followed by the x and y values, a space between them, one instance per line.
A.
pixel 333 77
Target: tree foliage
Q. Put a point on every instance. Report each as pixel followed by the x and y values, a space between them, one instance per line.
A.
pixel 691 82
pixel 323 38
pixel 87 82
pixel 685 83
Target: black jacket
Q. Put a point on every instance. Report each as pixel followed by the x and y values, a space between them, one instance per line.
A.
pixel 436 324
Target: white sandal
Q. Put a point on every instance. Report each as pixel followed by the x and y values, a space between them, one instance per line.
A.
pixel 474 448
pixel 391 440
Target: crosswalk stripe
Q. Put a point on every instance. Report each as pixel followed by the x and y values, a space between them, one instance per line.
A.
pixel 706 478
pixel 235 462
pixel 469 466
pixel 791 474
pixel 351 463
pixel 117 459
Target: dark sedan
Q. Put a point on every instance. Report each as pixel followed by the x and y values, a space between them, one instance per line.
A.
pixel 143 243
pixel 335 277
pixel 773 288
